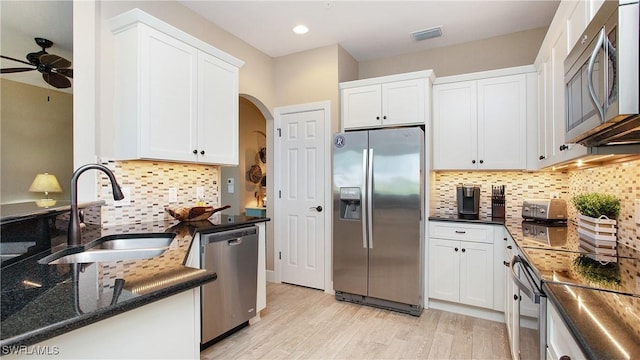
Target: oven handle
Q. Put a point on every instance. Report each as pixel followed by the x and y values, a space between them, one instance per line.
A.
pixel 530 291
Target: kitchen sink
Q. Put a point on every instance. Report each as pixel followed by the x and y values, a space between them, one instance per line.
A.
pixel 114 248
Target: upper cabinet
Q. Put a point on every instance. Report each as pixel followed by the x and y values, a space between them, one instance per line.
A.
pixel 570 20
pixel 175 97
pixel 481 124
pixel 386 101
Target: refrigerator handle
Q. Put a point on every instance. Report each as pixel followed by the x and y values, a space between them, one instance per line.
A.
pixel 370 198
pixel 365 199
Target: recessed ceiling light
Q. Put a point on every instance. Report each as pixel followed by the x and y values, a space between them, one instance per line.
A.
pixel 300 29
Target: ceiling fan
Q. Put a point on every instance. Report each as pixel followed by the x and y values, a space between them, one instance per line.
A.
pixel 55 69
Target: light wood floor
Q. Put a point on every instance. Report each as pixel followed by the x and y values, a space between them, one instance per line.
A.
pixel 301 323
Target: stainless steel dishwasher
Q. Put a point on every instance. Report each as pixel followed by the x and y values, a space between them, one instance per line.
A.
pixel 230 301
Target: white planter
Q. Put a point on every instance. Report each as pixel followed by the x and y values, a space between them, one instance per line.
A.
pixel 597 235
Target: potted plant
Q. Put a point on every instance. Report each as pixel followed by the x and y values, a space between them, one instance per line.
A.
pixel 597 218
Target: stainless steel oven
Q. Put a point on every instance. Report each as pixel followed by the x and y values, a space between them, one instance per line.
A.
pixel 601 79
pixel 531 311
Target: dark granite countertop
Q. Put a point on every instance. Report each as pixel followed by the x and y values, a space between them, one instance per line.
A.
pixel 602 317
pixel 28 210
pixel 40 301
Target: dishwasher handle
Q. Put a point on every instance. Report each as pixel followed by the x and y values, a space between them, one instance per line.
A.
pixel 233 236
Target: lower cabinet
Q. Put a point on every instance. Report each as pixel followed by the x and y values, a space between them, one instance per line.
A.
pixel 461 263
pixel 560 343
pixel 165 329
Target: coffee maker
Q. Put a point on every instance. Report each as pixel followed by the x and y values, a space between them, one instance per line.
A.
pixel 468 201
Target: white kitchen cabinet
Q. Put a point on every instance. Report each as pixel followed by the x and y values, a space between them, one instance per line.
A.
pixel 386 101
pixel 175 97
pixel 568 24
pixel 560 341
pixel 461 266
pixel 165 329
pixel 481 124
pixel 510 296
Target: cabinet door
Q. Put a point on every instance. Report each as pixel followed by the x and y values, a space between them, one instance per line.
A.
pixel 361 107
pixel 403 102
pixel 444 269
pixel 560 341
pixel 476 274
pixel 168 108
pixel 542 103
pixel 455 127
pixel 502 123
pixel 217 111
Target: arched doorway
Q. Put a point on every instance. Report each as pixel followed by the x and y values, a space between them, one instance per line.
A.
pixel 255 129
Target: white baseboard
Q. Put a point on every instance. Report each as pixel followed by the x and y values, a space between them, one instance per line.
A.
pixel 271 277
pixel 486 314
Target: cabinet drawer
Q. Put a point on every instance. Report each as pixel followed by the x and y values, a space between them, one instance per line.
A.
pixel 461 231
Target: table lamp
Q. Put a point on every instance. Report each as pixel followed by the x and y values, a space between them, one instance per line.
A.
pixel 45 183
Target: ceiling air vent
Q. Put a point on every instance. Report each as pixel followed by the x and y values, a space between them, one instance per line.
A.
pixel 426 34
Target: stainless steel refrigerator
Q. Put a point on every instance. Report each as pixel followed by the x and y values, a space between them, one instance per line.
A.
pixel 378 214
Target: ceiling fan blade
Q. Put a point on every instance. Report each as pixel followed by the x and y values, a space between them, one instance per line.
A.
pixel 10 58
pixel 54 61
pixel 14 70
pixel 65 72
pixel 57 80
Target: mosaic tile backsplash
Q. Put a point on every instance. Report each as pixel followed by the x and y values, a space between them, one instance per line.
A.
pixel 149 183
pixel 621 180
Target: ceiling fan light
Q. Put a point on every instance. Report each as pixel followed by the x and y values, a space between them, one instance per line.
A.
pixel 426 33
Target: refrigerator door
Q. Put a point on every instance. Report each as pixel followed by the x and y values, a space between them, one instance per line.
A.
pixel 396 240
pixel 350 247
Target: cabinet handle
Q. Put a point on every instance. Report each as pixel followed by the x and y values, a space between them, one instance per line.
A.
pixel 509 247
pixel 564 147
pixel 516 297
pixel 384 117
pixel 505 263
pixel 565 357
pixel 505 239
pixel 542 157
pixel 202 152
pixel 460 232
pixel 473 161
pixel 481 161
pixel 195 152
pixel 456 249
pixel 463 249
pixel 377 117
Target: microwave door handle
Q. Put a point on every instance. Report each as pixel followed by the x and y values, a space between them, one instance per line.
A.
pixel 592 61
pixel 611 55
pixel 531 294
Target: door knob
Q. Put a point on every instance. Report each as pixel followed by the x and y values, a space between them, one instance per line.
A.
pixel 317 208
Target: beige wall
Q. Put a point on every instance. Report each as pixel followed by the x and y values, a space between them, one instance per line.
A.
pixel 37 128
pixel 309 76
pixel 498 52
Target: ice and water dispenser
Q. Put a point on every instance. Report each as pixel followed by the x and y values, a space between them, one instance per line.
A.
pixel 350 203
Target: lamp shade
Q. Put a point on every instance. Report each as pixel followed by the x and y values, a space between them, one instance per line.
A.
pixel 45 183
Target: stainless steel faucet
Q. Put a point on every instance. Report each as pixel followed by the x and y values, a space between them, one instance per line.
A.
pixel 74 237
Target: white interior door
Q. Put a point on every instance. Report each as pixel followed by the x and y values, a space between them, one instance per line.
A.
pixel 301 202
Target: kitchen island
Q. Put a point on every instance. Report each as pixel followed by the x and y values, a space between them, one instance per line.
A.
pixel 602 318
pixel 109 309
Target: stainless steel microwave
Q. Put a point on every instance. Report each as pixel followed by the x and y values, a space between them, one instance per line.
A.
pixel 602 77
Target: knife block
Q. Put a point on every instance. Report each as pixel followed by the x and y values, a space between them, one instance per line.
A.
pixel 497 202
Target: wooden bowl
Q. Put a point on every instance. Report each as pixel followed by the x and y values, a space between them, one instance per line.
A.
pixel 196 213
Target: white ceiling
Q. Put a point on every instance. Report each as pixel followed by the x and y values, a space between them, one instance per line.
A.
pixel 21 21
pixel 366 29
pixel 371 29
